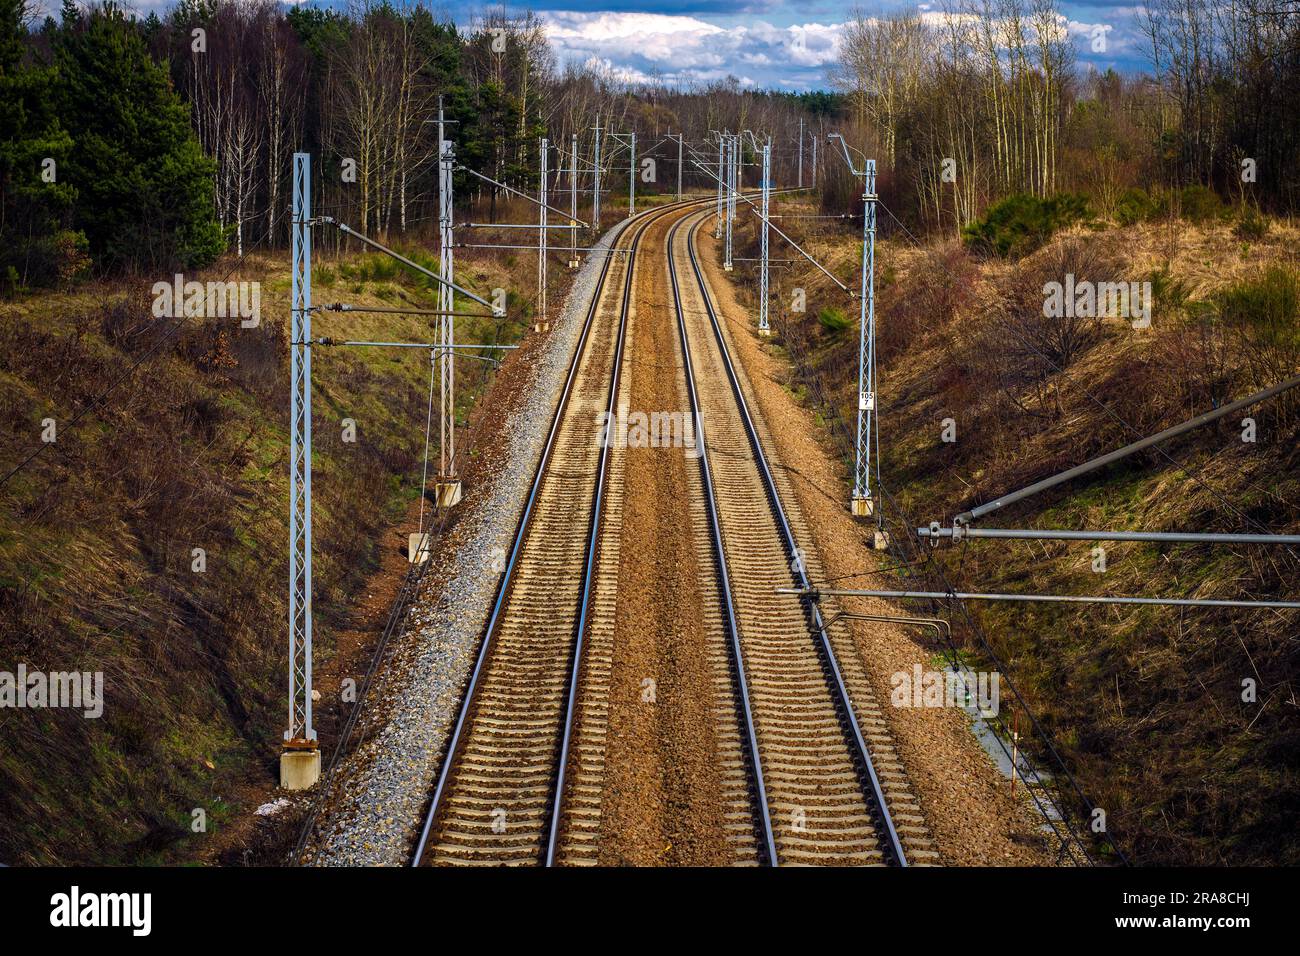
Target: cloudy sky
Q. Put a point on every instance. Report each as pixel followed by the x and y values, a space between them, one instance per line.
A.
pixel 771 44
pixel 766 44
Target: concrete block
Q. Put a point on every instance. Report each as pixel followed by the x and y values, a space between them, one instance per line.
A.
pixel 447 492
pixel 862 507
pixel 764 332
pixel 299 769
pixel 417 547
pixel 881 540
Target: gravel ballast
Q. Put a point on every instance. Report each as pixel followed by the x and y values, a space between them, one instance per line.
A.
pixel 372 813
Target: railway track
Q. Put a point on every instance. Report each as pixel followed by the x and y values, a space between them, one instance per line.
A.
pixel 824 773
pixel 522 780
pixel 497 799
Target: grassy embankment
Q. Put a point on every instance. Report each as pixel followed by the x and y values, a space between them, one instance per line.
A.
pixel 1146 704
pixel 190 451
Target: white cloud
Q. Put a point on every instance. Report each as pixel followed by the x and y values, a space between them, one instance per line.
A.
pixel 638 46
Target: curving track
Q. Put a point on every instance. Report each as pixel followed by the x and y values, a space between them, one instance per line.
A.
pixel 806 776
pixel 496 798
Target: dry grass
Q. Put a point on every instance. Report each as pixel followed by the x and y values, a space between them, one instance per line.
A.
pixel 1146 705
pixel 190 451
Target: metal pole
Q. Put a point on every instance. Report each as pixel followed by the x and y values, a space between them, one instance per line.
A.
pixel 862 503
pixel 514 225
pixel 814 163
pixel 512 191
pixel 732 143
pixel 816 593
pixel 500 245
pixel 762 274
pixel 344 227
pixel 431 346
pixel 740 162
pixel 717 219
pixel 631 178
pixel 301 734
pixel 573 205
pixel 935 532
pixel 595 185
pixel 801 152
pixel 679 167
pixel 777 229
pixel 541 238
pixel 446 303
pixel 1127 450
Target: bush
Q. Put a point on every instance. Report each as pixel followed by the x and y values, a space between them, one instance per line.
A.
pixel 1263 313
pixel 1252 226
pixel 1054 342
pixel 1171 297
pixel 929 299
pixel 1019 224
pixel 1135 205
pixel 833 321
pixel 1199 204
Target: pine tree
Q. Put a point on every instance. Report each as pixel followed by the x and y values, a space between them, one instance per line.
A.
pixel 34 201
pixel 145 184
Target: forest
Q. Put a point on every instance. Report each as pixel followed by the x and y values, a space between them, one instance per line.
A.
pixel 131 143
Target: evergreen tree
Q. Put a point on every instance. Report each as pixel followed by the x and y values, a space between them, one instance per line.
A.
pixel 146 187
pixel 34 198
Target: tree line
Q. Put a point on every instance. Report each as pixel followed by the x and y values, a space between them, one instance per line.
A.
pixel 982 99
pixel 171 135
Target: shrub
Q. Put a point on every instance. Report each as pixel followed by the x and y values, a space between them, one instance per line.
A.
pixel 1263 313
pixel 1057 340
pixel 1199 204
pixel 52 260
pixel 833 321
pixel 1252 226
pixel 1171 297
pixel 1019 224
pixel 1135 205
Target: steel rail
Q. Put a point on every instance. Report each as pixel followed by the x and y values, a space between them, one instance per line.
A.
pixel 838 688
pixel 593 536
pixel 1063 814
pixel 521 532
pixel 715 526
